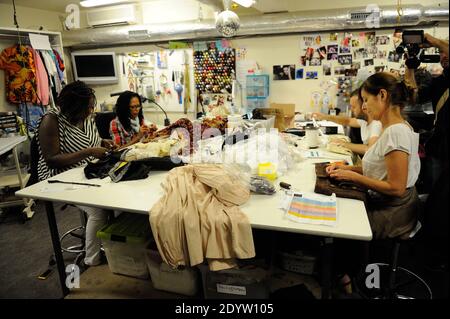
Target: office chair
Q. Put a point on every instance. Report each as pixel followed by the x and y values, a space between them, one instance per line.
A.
pixel 103 120
pixel 397 282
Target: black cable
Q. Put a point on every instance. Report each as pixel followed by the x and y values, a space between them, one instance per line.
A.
pixel 15 15
pixel 166 120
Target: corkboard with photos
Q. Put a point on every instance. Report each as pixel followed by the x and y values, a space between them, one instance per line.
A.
pixel 345 53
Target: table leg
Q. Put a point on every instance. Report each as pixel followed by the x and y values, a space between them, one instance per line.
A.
pixel 326 267
pixel 27 202
pixel 57 247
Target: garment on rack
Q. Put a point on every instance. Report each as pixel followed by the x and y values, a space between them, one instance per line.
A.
pixel 59 65
pixel 42 85
pixel 52 70
pixel 198 218
pixel 20 75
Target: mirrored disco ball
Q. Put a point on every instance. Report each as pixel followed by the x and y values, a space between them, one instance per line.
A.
pixel 227 23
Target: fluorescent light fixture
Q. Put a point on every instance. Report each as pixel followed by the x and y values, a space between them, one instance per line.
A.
pixel 97 3
pixel 245 3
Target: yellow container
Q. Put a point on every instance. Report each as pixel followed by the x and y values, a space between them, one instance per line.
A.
pixel 267 170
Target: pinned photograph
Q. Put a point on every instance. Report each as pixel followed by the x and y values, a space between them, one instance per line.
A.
pixel 370 38
pixel 381 55
pixel 372 51
pixel 311 75
pixel 368 62
pixel 308 41
pixel 332 56
pixel 393 56
pixel 360 54
pixel 299 74
pixel 355 43
pixel 344 49
pixel 379 68
pixel 315 62
pixel 362 37
pixel 356 65
pixel 332 48
pixel 351 72
pixel 309 53
pixel 303 60
pixel 397 37
pixel 339 70
pixel 284 72
pixel 326 69
pixel 333 37
pixel 382 40
pixel 346 41
pixel 318 40
pixel 322 52
pixel 345 59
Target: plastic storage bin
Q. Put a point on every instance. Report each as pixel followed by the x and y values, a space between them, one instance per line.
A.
pixel 258 80
pixel 245 283
pixel 257 92
pixel 125 241
pixel 298 262
pixel 182 281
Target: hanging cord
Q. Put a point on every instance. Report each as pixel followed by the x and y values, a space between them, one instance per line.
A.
pixel 15 15
pixel 399 11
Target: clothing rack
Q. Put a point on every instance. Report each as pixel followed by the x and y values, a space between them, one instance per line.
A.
pixel 14 35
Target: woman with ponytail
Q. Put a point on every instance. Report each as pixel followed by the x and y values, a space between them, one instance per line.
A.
pixel 390 167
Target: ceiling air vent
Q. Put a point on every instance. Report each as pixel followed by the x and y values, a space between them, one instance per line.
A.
pixel 359 16
pixel 138 34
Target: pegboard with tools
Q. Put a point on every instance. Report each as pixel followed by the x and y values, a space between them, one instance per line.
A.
pixel 214 70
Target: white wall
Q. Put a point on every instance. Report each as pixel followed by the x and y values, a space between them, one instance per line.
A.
pixel 283 50
pixel 29 18
pixel 102 92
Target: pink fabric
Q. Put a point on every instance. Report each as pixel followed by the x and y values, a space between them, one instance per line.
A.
pixel 43 89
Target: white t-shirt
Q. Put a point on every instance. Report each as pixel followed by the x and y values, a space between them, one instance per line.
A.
pixel 368 131
pixel 395 137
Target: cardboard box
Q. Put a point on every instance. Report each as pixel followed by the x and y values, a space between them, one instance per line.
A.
pixel 246 283
pixel 287 114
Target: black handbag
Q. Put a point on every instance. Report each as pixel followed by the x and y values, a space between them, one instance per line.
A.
pixel 101 168
pixel 129 171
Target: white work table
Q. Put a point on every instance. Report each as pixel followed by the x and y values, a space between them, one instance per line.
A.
pixel 8 143
pixel 17 180
pixel 262 210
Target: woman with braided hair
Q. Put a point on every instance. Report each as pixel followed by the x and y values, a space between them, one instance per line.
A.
pixel 67 137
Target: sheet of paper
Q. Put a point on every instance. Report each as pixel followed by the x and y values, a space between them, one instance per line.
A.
pixel 311 208
pixel 40 42
pixel 242 70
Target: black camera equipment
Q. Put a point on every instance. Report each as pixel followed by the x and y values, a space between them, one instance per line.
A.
pixel 412 42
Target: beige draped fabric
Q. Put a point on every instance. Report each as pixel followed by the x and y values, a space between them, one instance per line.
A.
pixel 198 218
